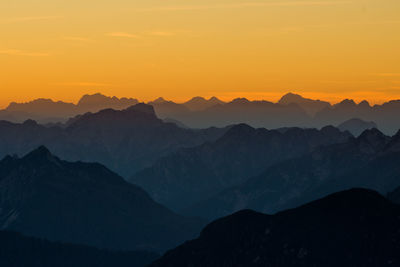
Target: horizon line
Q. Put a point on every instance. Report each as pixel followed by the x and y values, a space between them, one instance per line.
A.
pixel 223 99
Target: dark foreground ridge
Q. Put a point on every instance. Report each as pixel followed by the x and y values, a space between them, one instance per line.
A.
pixel 84 203
pixel 357 227
pixel 17 250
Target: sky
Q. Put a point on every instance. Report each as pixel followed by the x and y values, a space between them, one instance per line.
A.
pixel 177 49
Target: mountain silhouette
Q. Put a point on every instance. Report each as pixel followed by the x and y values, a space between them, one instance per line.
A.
pixel 370 161
pixel 124 140
pixel 47 110
pixel 84 203
pixel 193 174
pixel 292 110
pixel 357 227
pixel 309 105
pixel 17 250
pixel 395 195
pixel 199 103
pixel 356 126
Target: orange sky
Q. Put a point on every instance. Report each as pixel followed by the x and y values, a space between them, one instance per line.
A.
pixel 328 49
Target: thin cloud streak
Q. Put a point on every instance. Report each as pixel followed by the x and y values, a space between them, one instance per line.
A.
pixel 387 74
pixel 122 34
pixel 246 5
pixel 74 38
pixel 85 84
pixel 29 19
pixel 15 52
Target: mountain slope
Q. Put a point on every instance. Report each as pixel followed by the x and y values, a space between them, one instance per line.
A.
pixel 395 195
pixel 356 126
pixel 199 103
pixel 84 203
pixel 194 174
pixel 17 250
pixel 351 228
pixel 124 140
pixel 370 161
pixel 309 105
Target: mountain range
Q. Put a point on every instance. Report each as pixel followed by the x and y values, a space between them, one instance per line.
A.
pixel 47 110
pixel 371 161
pixel 351 228
pixel 196 173
pixel 292 110
pixel 126 141
pixel 84 203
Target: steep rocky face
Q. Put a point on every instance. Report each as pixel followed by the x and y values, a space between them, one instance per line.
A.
pixel 84 203
pixel 351 228
pixel 367 161
pixel 194 174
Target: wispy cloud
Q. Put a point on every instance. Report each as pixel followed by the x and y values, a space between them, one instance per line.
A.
pixel 15 52
pixel 245 5
pixel 75 38
pixel 161 33
pixel 30 19
pixel 86 84
pixel 387 74
pixel 123 34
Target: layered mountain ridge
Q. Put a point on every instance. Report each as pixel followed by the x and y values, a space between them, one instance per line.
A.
pixel 369 161
pixel 84 203
pixel 194 174
pixel 357 227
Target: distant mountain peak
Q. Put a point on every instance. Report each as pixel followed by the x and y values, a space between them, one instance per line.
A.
pixel 30 122
pixel 159 100
pixel 356 126
pixel 290 97
pixel 372 139
pixel 142 107
pixel 347 103
pixel 309 105
pixel 198 98
pixel 364 104
pixel 40 154
pixel 240 100
pixel 215 99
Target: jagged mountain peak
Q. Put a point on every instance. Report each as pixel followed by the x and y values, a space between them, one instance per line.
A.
pixel 346 103
pixel 40 154
pixel 364 104
pixel 240 100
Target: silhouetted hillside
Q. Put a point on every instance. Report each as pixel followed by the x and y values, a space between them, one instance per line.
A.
pixel 395 195
pixel 124 140
pixel 194 174
pixel 356 126
pixel 84 203
pixel 370 161
pixel 17 250
pixel 351 228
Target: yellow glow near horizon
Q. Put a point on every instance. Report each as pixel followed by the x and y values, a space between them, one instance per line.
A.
pixel 327 49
